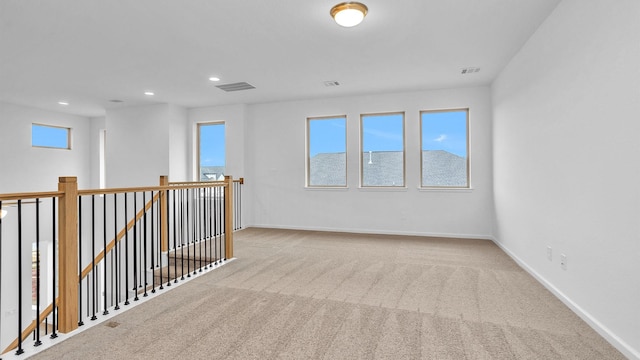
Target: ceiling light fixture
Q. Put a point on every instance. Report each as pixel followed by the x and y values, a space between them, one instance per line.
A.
pixel 64 103
pixel 349 14
pixel 213 78
pixel 149 93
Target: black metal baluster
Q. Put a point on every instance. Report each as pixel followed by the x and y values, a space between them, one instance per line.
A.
pixel 203 222
pixel 144 241
pixel 210 220
pixel 104 251
pixel 215 224
pixel 116 246
pixel 80 322
pixel 166 195
pixel 196 227
pixel 182 232
pixel 54 313
pixel 126 252
pixel 135 243
pixel 220 220
pixel 188 232
pixel 153 278
pixel 239 205
pixel 38 342
pixel 94 273
pixel 205 203
pixel 20 349
pixel 175 246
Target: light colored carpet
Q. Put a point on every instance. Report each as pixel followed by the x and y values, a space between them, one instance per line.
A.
pixel 314 295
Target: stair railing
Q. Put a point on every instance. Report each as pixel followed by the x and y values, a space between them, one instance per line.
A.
pixel 111 246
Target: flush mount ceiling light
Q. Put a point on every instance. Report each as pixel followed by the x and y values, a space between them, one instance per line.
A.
pixel 214 78
pixel 149 93
pixel 349 14
pixel 63 103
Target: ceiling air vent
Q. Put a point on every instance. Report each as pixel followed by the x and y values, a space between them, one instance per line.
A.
pixel 236 86
pixel 470 70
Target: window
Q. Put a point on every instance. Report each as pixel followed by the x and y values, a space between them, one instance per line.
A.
pixel 211 151
pixel 445 144
pixel 50 136
pixel 382 162
pixel 327 151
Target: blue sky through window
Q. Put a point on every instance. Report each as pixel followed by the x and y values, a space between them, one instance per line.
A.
pixel 212 145
pixel 384 132
pixel 445 130
pixel 327 135
pixel 49 136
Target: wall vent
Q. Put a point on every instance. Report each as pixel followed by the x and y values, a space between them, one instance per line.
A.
pixel 236 86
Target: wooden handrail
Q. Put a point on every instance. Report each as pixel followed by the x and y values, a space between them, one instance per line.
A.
pixel 30 195
pixel 196 183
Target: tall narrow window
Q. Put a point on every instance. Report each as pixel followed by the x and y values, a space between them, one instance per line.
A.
pixel 50 136
pixel 211 151
pixel 327 151
pixel 445 148
pixel 382 162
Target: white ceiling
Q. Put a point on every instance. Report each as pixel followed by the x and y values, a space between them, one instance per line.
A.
pixel 88 52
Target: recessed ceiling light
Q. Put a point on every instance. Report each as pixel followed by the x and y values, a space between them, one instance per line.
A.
pixel 213 78
pixel 149 93
pixel 63 103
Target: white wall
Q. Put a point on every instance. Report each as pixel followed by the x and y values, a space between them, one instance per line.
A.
pixel 140 147
pixel 566 161
pixel 24 168
pixel 178 144
pixel 98 125
pixel 275 145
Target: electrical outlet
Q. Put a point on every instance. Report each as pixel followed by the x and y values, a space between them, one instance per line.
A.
pixel 549 253
pixel 563 261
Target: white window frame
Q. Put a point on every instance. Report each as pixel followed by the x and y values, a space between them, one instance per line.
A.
pixel 404 151
pixel 308 152
pixel 68 131
pixel 468 180
pixel 209 123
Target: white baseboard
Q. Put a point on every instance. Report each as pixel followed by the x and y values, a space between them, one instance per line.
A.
pixel 370 231
pixel 612 338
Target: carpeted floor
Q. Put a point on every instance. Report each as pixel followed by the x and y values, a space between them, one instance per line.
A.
pixel 314 295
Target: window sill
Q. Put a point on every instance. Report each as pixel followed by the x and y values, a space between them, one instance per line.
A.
pixel 384 188
pixel 326 188
pixel 444 189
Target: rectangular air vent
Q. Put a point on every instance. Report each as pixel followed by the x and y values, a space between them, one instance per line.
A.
pixel 470 70
pixel 236 86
